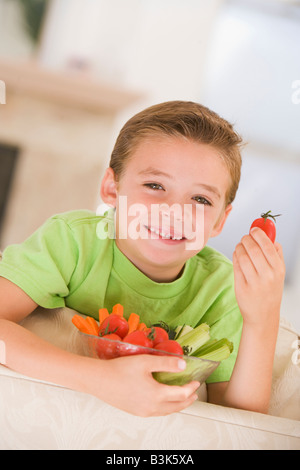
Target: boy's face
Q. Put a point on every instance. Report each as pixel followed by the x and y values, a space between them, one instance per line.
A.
pixel 169 202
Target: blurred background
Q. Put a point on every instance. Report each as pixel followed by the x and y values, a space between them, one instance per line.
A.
pixel 73 71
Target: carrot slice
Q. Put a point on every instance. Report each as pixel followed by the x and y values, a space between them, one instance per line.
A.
pixel 142 326
pixel 133 322
pixel 93 325
pixel 103 313
pixel 81 324
pixel 118 309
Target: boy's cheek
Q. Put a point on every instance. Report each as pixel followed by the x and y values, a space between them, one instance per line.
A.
pixel 194 246
pixel 219 224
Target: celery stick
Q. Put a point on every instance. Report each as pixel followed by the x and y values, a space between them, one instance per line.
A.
pixel 215 351
pixel 182 330
pixel 207 347
pixel 220 354
pixel 195 338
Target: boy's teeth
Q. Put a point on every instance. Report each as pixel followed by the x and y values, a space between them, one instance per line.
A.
pixel 163 234
pixel 154 230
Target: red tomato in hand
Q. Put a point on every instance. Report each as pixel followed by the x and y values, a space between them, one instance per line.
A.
pixel 170 346
pixel 157 334
pixel 114 324
pixel 266 224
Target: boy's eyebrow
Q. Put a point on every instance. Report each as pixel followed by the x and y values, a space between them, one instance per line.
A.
pixel 212 189
pixel 155 172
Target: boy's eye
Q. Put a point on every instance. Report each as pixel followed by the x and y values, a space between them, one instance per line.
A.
pixel 202 200
pixel 153 185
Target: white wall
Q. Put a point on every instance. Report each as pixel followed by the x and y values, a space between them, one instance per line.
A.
pixel 155 46
pixel 158 47
pixel 249 76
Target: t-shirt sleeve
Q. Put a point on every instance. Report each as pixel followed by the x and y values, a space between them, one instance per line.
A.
pixel 42 265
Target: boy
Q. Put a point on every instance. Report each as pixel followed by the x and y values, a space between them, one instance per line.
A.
pixel 176 154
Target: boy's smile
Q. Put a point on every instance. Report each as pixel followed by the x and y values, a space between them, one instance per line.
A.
pixel 170 184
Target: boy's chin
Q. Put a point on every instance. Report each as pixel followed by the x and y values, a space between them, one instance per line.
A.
pixel 158 262
pixel 165 252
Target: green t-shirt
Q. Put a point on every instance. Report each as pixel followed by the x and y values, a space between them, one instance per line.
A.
pixel 67 263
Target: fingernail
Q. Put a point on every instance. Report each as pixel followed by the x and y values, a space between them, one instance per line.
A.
pixel 181 364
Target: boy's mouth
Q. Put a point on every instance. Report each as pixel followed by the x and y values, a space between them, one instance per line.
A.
pixel 170 234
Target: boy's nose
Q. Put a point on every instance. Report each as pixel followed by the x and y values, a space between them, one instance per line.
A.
pixel 171 212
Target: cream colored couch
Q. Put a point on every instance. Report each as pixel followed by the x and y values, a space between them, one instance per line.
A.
pixel 39 415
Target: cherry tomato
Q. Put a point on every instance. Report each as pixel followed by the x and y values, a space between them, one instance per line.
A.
pixel 140 338
pixel 170 346
pixel 134 343
pixel 114 324
pixel 112 336
pixel 157 334
pixel 266 224
pixel 107 347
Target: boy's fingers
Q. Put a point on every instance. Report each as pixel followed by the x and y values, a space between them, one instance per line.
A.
pixel 258 253
pixel 180 393
pixel 164 363
pixel 279 250
pixel 173 407
pixel 245 262
pixel 239 275
pixel 267 246
pixel 176 406
pixel 172 364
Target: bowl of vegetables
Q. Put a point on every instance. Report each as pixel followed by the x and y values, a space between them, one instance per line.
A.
pixel 114 336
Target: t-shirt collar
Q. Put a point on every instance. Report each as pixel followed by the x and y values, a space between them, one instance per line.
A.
pixel 145 286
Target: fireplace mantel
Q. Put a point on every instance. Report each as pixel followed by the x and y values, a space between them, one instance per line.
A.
pixel 69 88
pixel 62 124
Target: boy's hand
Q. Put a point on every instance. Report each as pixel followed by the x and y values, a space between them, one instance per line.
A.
pixel 259 273
pixel 259 279
pixel 127 384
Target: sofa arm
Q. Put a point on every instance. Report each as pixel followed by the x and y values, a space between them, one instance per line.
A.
pixel 37 415
pixel 42 415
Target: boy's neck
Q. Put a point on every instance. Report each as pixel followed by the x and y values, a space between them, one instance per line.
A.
pixel 157 273
pixel 160 275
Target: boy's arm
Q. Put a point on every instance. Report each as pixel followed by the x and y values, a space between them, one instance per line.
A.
pixel 259 273
pixel 125 383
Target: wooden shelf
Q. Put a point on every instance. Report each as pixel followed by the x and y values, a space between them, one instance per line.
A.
pixel 65 87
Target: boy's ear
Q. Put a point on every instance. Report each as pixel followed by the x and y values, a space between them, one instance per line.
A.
pixel 220 224
pixel 108 190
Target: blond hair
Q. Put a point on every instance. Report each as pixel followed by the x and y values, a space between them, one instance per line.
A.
pixel 181 119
